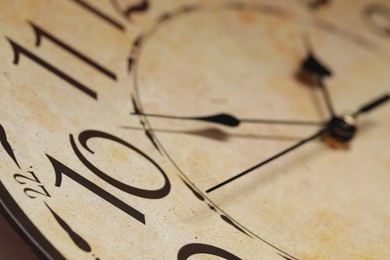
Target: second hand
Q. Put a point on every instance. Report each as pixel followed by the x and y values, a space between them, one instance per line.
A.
pixel 363 109
pixel 312 137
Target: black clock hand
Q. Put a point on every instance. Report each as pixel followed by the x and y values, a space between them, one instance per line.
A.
pixel 331 125
pixel 300 143
pixel 232 121
pixel 318 71
pixel 371 105
pixel 325 93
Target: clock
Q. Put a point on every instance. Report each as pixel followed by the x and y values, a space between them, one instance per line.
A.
pixel 196 129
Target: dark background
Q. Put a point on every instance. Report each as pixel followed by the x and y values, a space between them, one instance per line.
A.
pixel 12 246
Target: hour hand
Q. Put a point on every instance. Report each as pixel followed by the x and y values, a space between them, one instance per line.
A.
pixel 232 121
pixel 335 128
pixel 317 72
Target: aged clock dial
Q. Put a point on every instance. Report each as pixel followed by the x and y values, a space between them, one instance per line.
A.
pixel 115 124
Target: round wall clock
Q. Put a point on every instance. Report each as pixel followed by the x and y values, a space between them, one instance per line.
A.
pixel 196 129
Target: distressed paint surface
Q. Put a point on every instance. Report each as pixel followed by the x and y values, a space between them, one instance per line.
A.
pixel 315 203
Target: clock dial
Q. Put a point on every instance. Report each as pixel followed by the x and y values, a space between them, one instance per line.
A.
pixel 256 78
pixel 114 125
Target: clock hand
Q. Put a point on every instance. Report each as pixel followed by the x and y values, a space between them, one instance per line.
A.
pixel 318 71
pixel 326 95
pixel 232 121
pixel 289 149
pixel 373 104
pixel 334 125
pixel 343 129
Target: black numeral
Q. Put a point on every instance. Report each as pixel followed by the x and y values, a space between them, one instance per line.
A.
pixel 150 194
pixel 40 34
pixel 20 178
pixel 61 169
pixel 18 50
pixel 31 193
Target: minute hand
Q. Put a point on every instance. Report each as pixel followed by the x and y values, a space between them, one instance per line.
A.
pixel 363 109
pixel 232 121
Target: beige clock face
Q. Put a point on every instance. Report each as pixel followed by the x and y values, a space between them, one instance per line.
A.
pixel 101 156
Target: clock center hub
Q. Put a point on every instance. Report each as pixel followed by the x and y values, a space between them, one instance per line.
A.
pixel 342 129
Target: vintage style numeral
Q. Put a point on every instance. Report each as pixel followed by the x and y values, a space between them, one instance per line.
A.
pixel 31 193
pixel 149 194
pixel 61 169
pixel 40 34
pixel 20 178
pixel 18 50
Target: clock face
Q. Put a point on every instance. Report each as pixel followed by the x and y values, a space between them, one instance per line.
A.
pixel 171 129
